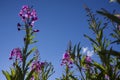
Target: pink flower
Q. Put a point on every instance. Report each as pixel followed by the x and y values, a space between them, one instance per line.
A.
pixel 88 54
pixel 37 65
pixel 88 59
pixel 28 15
pixel 67 60
pixel 16 54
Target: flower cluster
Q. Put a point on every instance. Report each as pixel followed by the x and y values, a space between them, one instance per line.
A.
pixel 67 60
pixel 88 59
pixel 16 54
pixel 88 53
pixel 28 15
pixel 37 65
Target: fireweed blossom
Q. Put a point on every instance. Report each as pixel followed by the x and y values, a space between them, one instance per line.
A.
pixel 37 65
pixel 29 16
pixel 67 60
pixel 88 59
pixel 16 54
pixel 88 56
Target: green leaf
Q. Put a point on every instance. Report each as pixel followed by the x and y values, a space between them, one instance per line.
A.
pixel 73 53
pixel 100 67
pixel 78 51
pixel 78 47
pixel 33 49
pixel 12 71
pixel 116 41
pixel 19 73
pixel 112 52
pixel 32 37
pixel 82 61
pixel 30 74
pixel 90 39
pixel 74 49
pixel 57 79
pixel 96 48
pixel 7 75
pixel 47 70
pixel 29 63
pixel 100 36
pixel 73 78
pixel 69 46
pixel 114 35
pixel 32 42
pixel 110 16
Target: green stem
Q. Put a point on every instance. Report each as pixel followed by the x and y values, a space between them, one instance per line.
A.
pixel 80 71
pixel 25 51
pixel 67 72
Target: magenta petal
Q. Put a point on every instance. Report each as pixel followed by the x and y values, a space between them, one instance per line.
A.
pixel 10 58
pixel 19 29
pixel 36 30
pixel 18 24
pixel 88 59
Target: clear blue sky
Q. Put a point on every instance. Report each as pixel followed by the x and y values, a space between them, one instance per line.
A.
pixel 59 21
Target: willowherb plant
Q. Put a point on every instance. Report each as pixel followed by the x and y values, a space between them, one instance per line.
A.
pixel 84 66
pixel 77 61
pixel 24 69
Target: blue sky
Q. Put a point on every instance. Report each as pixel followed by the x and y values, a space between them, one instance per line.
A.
pixel 59 21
